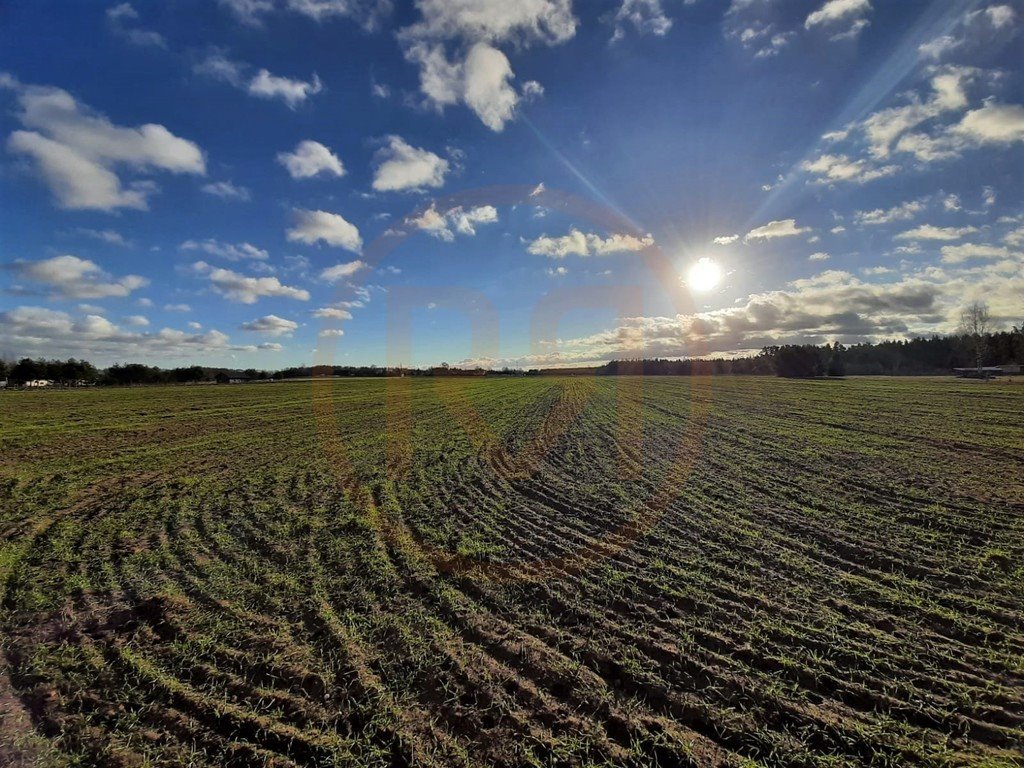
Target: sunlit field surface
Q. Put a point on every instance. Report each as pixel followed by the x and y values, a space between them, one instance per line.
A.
pixel 531 571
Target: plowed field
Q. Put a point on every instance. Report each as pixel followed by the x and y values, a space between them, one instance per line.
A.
pixel 514 572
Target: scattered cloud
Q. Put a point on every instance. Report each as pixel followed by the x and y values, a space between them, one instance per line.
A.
pixel 480 75
pixel 367 13
pixel 774 230
pixel 244 289
pixel 758 26
pixel 291 91
pixel 272 325
pixel 1015 238
pixel 70 277
pixel 979 31
pixel 578 243
pixel 901 212
pixel 482 80
pixel 531 90
pixel 263 85
pixel 108 236
pixel 217 66
pixel 929 232
pixel 832 168
pixel 819 256
pixel 249 12
pixel 940 127
pixel 831 306
pixel 342 271
pixel 227 251
pixel 38 331
pixel 957 254
pixel 332 313
pixel 841 19
pixel 726 239
pixel 992 124
pixel 403 167
pixel 122 17
pixel 121 12
pixel 321 226
pixel 79 152
pixel 496 21
pixel 444 226
pixel 309 159
pixel 645 17
pixel 227 190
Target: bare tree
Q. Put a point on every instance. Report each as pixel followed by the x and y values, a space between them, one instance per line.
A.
pixel 975 323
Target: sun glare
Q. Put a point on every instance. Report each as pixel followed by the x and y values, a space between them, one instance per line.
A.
pixel 704 275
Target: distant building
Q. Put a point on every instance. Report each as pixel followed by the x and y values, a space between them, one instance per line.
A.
pixel 36 383
pixel 3 383
pixel 232 378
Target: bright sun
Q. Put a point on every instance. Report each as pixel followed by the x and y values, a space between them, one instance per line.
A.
pixel 704 275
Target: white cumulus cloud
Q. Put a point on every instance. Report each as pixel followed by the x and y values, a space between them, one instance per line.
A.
pixel 80 153
pixel 272 325
pixel 332 313
pixel 227 251
pixel 342 271
pixel 322 226
pixel 309 159
pixel 930 232
pixel 577 243
pixel 38 331
pixel 69 276
pixel 647 17
pixel 459 220
pixel 842 19
pixel 957 254
pixel 773 230
pixel 901 212
pixel 401 166
pixel 245 289
pixel 263 85
pixel 291 91
pixel 480 75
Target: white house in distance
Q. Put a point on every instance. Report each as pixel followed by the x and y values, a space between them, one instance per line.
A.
pixel 36 383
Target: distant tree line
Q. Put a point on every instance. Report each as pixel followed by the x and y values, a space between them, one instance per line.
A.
pixel 61 371
pixel 919 356
pixel 72 372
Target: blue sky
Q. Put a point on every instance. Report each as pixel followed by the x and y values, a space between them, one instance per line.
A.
pixel 271 182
